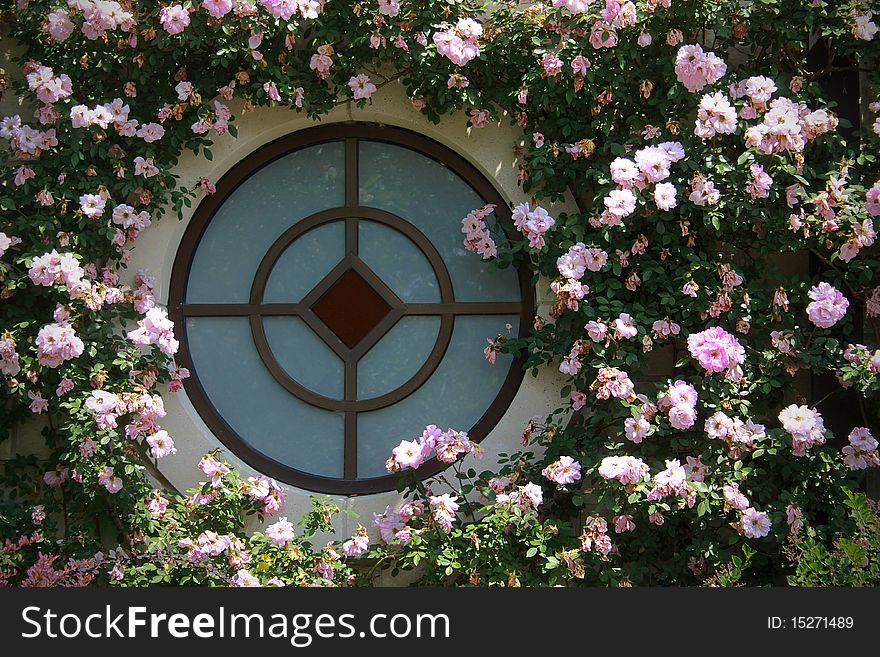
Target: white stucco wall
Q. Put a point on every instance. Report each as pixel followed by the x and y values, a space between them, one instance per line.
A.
pixel 490 149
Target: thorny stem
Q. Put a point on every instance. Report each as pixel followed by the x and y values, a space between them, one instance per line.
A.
pixel 385 82
pixel 372 571
pixel 153 468
pixel 819 403
pixel 455 467
pixel 611 423
pixel 118 522
pixel 810 338
pixel 862 410
pixel 64 509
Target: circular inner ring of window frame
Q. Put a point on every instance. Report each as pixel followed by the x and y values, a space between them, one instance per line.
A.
pixel 349 348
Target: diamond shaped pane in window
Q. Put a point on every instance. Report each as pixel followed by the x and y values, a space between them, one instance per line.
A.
pixel 351 308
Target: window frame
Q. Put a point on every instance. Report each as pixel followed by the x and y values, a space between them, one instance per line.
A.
pixel 179 310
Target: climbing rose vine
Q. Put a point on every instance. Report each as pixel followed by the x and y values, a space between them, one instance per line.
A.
pixel 724 238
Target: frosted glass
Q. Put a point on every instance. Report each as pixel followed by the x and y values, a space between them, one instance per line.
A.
pixel 457 395
pixel 257 408
pixel 256 214
pixel 305 262
pixel 398 262
pixel 397 356
pixel 435 200
pixel 304 356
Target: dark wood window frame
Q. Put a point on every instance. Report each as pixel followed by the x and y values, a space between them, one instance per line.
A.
pixel 255 309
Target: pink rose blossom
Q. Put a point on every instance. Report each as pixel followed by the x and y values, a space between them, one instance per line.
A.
pixel 695 68
pixel 151 132
pixel 355 546
pixel 161 444
pixel 636 428
pixel 564 471
pixel 755 524
pixel 174 19
pixel 596 330
pixel 108 480
pixel 361 87
pixel 664 196
pixel 620 202
pixel 806 426
pixel 828 306
pixel 624 327
pixel 716 350
pixel 624 524
pixel 443 508
pixel 280 532
pixel 217 8
pixel 626 469
pixel 58 25
pixel 57 343
pixel 38 405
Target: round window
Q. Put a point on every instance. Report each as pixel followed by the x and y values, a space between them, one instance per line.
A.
pixel 329 309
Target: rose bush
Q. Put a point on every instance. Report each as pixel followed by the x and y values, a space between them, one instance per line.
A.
pixel 701 145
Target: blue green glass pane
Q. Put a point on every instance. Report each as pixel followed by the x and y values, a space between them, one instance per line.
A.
pixel 398 262
pixel 457 395
pixel 255 406
pixel 257 213
pixel 305 262
pixel 304 356
pixel 397 356
pixel 435 200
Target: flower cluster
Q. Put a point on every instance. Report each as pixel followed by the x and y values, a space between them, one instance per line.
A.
pixel 522 499
pixel 740 437
pixel 48 87
pixel 595 536
pixel 155 328
pixel 861 452
pixel 696 68
pixel 106 406
pixel 267 492
pixel 443 508
pixel 477 238
pixel 533 223
pixel 683 207
pixel 672 481
pixel 459 43
pixel 563 471
pixel 649 166
pixel 285 9
pixel 806 426
pixel 788 126
pixel 25 140
pixel 9 363
pixel 625 469
pixel 98 19
pixel 449 446
pixel 612 382
pixel 569 294
pixel 578 259
pixel 54 268
pixel 716 350
pixel 392 525
pixel 828 305
pixel 680 404
pixel 211 544
pixel 57 343
pixel 715 116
